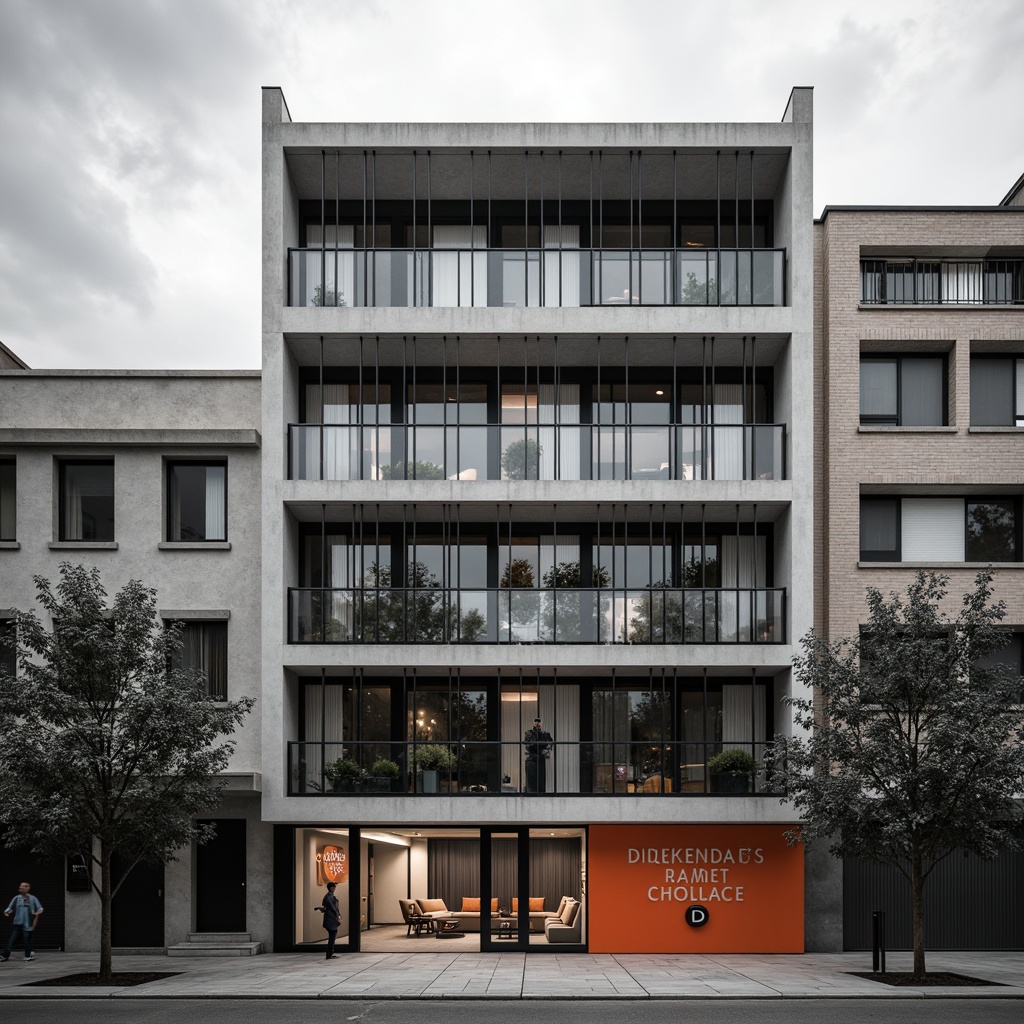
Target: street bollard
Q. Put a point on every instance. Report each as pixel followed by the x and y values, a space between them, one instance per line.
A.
pixel 878 941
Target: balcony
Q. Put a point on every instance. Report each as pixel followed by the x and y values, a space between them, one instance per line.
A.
pixel 903 282
pixel 441 615
pixel 535 277
pixel 740 451
pixel 482 767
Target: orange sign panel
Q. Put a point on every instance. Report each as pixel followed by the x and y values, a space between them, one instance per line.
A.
pixel 332 862
pixel 694 889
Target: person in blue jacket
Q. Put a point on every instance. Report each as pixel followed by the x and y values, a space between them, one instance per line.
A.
pixel 25 909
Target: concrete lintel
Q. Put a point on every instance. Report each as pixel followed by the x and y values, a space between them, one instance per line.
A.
pixel 191 614
pixel 127 438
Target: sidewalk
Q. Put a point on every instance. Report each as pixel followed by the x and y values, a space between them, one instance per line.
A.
pixel 451 975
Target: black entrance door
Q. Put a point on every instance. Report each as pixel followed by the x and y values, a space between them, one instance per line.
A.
pixel 220 878
pixel 137 911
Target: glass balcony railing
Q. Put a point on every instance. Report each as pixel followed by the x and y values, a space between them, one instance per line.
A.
pixel 478 767
pixel 441 615
pixel 536 277
pixel 721 451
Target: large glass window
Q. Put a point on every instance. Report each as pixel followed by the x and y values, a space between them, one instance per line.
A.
pixel 940 529
pixel 204 648
pixel 997 392
pixel 8 659
pixel 197 495
pixel 8 499
pixel 907 391
pixel 87 500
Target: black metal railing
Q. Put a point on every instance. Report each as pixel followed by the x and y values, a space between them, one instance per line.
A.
pixel 478 767
pixel 536 277
pixel 468 452
pixel 611 615
pixel 941 282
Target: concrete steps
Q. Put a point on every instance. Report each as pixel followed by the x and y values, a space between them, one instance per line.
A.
pixel 217 944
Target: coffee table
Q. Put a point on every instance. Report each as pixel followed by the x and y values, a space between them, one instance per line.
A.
pixel 507 928
pixel 448 928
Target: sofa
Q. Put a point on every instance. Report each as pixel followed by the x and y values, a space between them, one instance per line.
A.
pixel 468 913
pixel 568 926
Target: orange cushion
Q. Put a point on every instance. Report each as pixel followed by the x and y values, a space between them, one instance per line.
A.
pixel 536 903
pixel 469 904
pixel 494 905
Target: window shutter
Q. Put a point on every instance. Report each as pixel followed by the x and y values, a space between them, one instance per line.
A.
pixel 933 529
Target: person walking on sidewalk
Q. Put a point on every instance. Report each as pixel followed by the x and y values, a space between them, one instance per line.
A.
pixel 26 910
pixel 332 918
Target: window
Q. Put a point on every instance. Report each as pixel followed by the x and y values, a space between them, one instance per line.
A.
pixel 204 646
pixel 906 391
pixel 8 661
pixel 940 529
pixel 87 500
pixel 8 500
pixel 197 501
pixel 997 392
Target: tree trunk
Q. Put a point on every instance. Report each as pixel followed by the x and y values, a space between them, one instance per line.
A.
pixel 917 890
pixel 106 971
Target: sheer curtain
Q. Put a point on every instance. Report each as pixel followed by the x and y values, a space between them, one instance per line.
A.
pixel 961 282
pixel 459 278
pixel 740 728
pixel 72 508
pixel 563 454
pixel 339 441
pixel 562 266
pixel 728 442
pixel 345 292
pixel 737 612
pixel 216 503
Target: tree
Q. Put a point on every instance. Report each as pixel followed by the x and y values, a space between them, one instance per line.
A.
pixel 914 746
pixel 105 748
pixel 521 459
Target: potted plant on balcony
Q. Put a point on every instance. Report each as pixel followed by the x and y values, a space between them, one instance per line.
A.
pixel 345 775
pixel 431 762
pixel 382 775
pixel 732 771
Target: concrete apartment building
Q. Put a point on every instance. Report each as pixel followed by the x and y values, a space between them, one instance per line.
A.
pixel 536 445
pixel 149 475
pixel 919 387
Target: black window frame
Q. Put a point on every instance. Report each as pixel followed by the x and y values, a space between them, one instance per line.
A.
pixel 9 471
pixel 62 466
pixel 169 466
pixel 8 654
pixel 1018 420
pixel 187 623
pixel 896 555
pixel 886 420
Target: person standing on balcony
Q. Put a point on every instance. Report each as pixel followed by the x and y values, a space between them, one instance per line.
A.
pixel 538 750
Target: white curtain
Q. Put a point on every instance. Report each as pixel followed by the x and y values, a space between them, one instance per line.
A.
pixel 728 443
pixel 73 508
pixel 736 613
pixel 737 720
pixel 459 278
pixel 961 282
pixel 339 441
pixel 568 440
pixel 344 294
pixel 565 728
pixel 216 503
pixel 562 266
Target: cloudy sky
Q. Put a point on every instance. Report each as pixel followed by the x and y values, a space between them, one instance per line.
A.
pixel 130 129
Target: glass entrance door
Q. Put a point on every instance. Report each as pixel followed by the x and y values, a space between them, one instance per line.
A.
pixel 504 871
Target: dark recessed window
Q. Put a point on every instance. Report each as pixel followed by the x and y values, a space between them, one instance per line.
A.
pixel 997 392
pixel 8 500
pixel 905 391
pixel 197 495
pixel 205 647
pixel 879 530
pixel 87 500
pixel 8 661
pixel 991 531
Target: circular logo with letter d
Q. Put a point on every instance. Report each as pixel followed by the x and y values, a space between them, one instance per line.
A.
pixel 697 916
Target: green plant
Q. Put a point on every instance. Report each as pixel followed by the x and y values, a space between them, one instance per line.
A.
pixel 343 768
pixel 435 757
pixel 384 768
pixel 417 470
pixel 732 760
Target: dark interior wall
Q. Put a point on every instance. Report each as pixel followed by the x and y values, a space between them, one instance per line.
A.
pixel 453 870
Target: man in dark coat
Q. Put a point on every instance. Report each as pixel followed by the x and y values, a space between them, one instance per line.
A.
pixel 538 750
pixel 332 918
